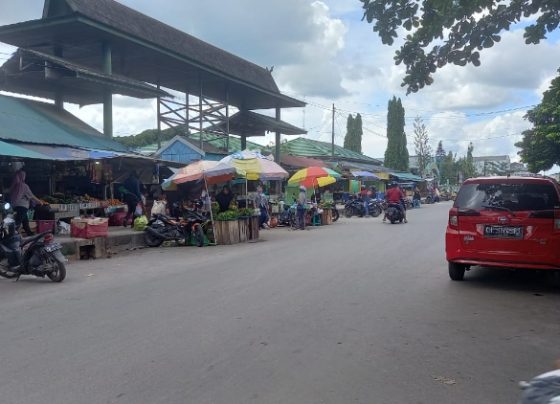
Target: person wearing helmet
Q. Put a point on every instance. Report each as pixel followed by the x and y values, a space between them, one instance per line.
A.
pixel 302 199
pixel 395 195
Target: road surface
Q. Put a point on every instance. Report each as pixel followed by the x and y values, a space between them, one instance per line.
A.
pixel 357 312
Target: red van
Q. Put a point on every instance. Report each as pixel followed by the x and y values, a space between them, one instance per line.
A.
pixel 508 222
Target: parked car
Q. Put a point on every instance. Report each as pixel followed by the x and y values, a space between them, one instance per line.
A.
pixel 506 222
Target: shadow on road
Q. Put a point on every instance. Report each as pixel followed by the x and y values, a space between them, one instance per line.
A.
pixel 537 282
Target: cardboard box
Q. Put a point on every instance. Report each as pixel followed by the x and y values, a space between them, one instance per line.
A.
pixel 89 228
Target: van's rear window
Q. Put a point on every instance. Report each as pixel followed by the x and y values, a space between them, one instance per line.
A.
pixel 516 197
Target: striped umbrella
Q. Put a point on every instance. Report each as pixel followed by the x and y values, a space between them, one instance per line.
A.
pixel 310 176
pixel 255 166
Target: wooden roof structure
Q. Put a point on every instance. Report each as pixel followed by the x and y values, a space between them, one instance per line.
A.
pixel 38 74
pixel 145 49
pixel 249 123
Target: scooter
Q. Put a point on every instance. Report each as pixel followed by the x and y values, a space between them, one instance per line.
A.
pixel 394 213
pixel 162 228
pixel 38 255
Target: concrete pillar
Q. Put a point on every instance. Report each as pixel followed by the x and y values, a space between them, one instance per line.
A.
pixel 58 96
pixel 277 143
pixel 108 95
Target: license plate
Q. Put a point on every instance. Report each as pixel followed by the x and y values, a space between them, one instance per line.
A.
pixel 512 232
pixel 52 247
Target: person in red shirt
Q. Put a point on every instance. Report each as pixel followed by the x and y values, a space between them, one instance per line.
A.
pixel 395 195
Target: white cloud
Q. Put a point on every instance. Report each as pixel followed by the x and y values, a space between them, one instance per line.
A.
pixel 324 53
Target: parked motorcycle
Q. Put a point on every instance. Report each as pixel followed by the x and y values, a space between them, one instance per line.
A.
pixel 355 207
pixel 38 255
pixel 394 213
pixel 162 228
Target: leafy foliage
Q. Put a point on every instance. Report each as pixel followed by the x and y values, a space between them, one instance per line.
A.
pixel 465 165
pixel 540 147
pixel 396 155
pixel 228 215
pixel 422 146
pixel 354 132
pixel 438 32
pixel 149 137
pixel 449 170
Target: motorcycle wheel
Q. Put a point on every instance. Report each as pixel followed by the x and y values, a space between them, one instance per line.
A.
pixel 59 272
pixel 348 212
pixel 151 240
pixel 376 211
pixel 335 215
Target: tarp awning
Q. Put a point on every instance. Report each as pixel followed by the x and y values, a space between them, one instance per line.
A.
pixel 12 150
pixel 407 177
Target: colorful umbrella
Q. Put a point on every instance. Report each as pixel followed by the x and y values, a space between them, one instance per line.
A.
pixel 211 171
pixel 254 166
pixel 321 182
pixel 311 174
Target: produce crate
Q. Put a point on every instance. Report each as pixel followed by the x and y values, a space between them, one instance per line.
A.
pixel 90 228
pixel 46 225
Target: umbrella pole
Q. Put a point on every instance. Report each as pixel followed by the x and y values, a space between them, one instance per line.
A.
pixel 211 213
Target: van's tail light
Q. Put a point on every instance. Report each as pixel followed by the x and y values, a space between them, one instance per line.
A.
pixel 453 218
pixel 557 220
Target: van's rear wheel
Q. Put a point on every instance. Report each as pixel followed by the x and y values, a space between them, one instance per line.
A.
pixel 456 271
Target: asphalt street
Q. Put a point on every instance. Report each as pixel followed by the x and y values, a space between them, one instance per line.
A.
pixel 356 312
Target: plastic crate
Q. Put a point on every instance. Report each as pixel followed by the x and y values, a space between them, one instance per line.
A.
pixel 46 225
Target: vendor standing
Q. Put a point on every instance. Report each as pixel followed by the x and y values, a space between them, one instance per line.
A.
pixel 132 195
pixel 21 196
pixel 224 198
pixel 261 202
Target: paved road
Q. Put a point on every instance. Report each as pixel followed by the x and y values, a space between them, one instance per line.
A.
pixel 357 312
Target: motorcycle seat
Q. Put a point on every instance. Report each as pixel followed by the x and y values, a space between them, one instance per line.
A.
pixel 27 240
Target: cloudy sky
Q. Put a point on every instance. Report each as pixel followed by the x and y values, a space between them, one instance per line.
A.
pixel 323 53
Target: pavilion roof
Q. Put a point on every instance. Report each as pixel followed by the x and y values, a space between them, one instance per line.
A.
pixel 148 50
pixel 41 75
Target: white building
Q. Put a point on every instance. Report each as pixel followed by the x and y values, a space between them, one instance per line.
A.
pixel 492 165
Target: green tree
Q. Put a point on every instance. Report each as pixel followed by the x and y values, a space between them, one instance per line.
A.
pixel 448 171
pixel 440 155
pixel 354 133
pixel 421 145
pixel 438 32
pixel 396 154
pixel 540 147
pixel 358 134
pixel 466 167
pixel 350 130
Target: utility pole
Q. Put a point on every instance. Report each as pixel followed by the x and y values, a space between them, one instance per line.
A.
pixel 332 144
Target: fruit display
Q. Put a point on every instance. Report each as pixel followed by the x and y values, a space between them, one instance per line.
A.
pixel 61 199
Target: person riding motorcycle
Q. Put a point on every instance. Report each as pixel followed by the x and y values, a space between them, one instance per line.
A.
pixel 395 196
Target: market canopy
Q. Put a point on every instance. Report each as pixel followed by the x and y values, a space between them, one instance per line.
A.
pixel 364 174
pixel 29 121
pixel 12 150
pixel 407 177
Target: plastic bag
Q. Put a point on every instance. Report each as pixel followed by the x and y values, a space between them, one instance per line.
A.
pixel 140 223
pixel 138 211
pixel 159 208
pixel 63 228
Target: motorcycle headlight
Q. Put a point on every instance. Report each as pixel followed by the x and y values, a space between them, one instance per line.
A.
pixel 7 206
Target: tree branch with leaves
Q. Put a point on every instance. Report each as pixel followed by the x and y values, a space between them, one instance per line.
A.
pixel 438 32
